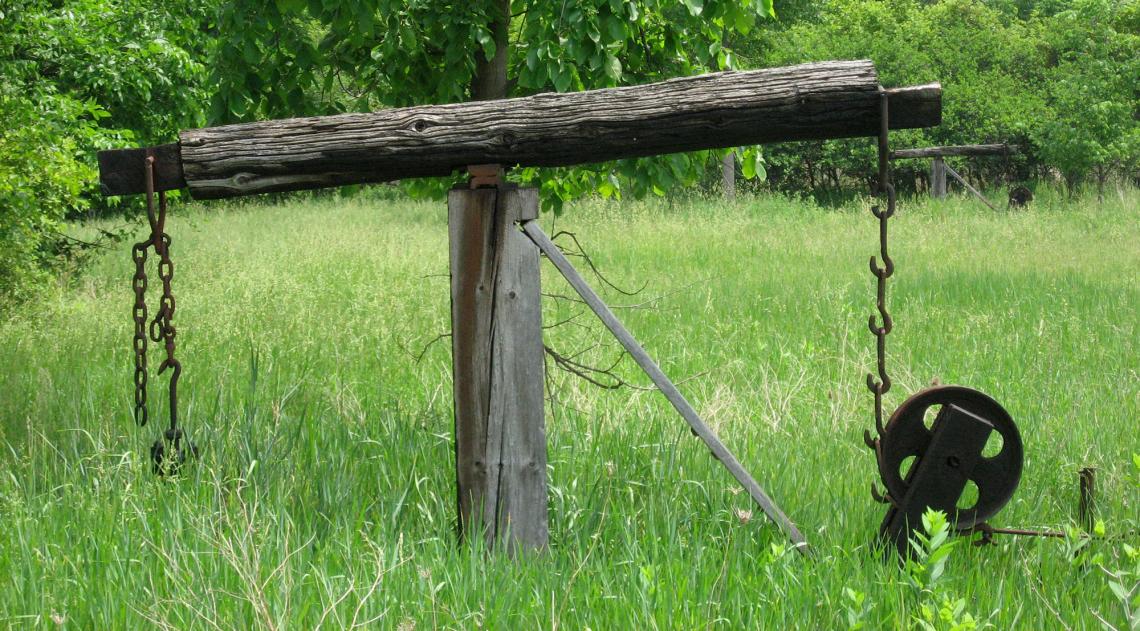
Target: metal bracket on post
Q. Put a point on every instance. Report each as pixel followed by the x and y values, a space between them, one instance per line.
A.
pixel 485 175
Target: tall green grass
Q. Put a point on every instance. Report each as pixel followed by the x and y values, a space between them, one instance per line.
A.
pixel 325 497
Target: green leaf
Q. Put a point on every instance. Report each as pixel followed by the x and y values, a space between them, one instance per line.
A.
pixel 695 6
pixel 483 36
pixel 613 67
pixel 615 28
pixel 752 164
pixel 593 33
pixel 1119 590
pixel 239 106
pixel 561 76
pixel 290 6
pixel 744 20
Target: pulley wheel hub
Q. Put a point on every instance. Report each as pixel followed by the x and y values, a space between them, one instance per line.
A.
pixel 907 436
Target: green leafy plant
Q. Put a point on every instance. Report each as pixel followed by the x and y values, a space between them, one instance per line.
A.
pixel 75 77
pixel 949 615
pixel 1125 585
pixel 932 549
pixel 856 607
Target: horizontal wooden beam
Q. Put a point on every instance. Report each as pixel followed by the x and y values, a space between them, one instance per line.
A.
pixel 811 101
pixel 122 171
pixel 954 150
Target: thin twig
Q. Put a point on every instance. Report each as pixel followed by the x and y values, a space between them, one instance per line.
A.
pixel 590 262
pixel 583 370
pixel 425 348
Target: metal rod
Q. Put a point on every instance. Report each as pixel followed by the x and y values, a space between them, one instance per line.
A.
pixel 663 383
pixel 1027 533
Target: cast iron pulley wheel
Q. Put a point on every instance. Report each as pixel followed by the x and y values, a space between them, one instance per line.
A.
pixel 907 435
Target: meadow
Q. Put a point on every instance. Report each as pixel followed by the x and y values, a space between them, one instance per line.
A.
pixel 319 391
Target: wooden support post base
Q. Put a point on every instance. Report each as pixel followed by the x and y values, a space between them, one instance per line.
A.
pixel 938 178
pixel 497 355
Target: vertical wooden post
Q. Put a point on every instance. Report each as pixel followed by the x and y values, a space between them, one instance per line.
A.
pixel 938 178
pixel 1086 509
pixel 497 355
pixel 728 175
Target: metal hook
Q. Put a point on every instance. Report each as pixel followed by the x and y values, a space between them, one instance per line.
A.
pixel 882 498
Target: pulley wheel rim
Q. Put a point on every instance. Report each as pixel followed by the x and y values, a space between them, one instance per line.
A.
pixel 906 435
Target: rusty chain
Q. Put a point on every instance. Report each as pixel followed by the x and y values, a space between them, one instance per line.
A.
pixel 161 327
pixel 138 253
pixel 882 328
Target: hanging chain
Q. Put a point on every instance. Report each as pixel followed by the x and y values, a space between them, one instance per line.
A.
pixel 138 253
pixel 885 189
pixel 161 327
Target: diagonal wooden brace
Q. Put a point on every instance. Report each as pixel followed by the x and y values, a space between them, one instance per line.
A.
pixel 702 431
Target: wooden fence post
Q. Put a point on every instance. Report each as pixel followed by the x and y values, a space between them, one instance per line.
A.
pixel 497 355
pixel 938 178
pixel 728 175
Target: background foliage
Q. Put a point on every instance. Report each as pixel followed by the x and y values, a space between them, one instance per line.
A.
pixel 75 77
pixel 1057 77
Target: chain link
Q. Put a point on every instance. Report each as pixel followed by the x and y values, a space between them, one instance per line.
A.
pixel 138 253
pixel 880 329
pixel 161 328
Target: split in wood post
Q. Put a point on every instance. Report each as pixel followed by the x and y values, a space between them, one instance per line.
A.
pixel 1086 509
pixel 497 354
pixel 667 388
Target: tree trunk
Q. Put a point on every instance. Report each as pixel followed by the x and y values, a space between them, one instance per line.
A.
pixel 490 80
pixel 728 172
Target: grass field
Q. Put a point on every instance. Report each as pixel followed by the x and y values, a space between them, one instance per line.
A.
pixel 325 494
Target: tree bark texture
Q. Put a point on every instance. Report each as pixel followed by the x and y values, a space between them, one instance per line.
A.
pixel 490 80
pixel 810 101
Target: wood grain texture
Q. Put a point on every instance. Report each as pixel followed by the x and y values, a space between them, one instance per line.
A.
pixel 667 388
pixel 954 150
pixel 123 171
pixel 518 501
pixel 470 228
pixel 810 101
pixel 938 178
pixel 497 360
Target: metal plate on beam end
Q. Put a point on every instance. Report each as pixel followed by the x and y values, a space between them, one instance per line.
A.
pixel 906 435
pixel 123 171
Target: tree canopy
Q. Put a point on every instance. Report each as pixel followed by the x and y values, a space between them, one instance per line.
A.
pixel 1060 78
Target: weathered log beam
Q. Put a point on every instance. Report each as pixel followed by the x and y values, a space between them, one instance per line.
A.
pixel 810 101
pixel 954 150
pixel 122 171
